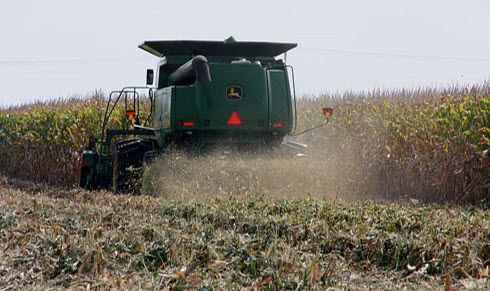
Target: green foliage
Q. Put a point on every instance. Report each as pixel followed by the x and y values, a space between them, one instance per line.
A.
pixel 433 145
pixel 427 144
pixel 43 141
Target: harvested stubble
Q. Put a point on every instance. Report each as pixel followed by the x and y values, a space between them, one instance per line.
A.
pixel 78 239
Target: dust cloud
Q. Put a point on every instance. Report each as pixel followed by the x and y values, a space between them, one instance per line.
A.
pixel 326 171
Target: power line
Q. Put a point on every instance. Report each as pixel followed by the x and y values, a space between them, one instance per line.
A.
pixel 72 61
pixel 392 55
pixel 310 49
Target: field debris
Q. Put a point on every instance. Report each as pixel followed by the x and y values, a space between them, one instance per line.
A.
pixel 101 240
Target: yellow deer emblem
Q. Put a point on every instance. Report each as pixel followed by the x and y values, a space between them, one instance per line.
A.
pixel 234 92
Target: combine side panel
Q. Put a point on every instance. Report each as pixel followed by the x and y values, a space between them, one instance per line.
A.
pixel 280 110
pixel 186 115
pixel 162 113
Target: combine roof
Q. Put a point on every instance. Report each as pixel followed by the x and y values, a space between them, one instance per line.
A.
pixel 228 47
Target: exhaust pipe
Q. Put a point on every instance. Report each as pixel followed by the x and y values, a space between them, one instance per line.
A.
pixel 197 68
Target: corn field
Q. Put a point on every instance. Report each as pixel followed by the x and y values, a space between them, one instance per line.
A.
pixel 43 142
pixel 429 144
pixel 432 145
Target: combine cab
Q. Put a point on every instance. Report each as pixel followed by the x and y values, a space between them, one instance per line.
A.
pixel 202 92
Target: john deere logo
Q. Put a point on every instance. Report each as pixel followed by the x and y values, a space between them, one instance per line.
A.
pixel 234 92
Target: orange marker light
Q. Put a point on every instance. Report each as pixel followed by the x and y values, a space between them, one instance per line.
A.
pixel 234 119
pixel 130 113
pixel 328 111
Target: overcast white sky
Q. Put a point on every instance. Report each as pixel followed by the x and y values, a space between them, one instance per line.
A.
pixel 51 49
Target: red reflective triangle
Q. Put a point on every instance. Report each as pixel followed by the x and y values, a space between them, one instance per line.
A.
pixel 234 119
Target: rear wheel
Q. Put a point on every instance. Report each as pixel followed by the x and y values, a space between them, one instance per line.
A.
pixel 83 177
pixel 128 164
pixel 87 181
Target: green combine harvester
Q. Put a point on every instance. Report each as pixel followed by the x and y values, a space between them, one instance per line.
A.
pixel 203 92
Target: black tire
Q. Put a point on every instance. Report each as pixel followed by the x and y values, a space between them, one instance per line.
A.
pixel 129 158
pixel 83 177
pixel 119 180
pixel 87 182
